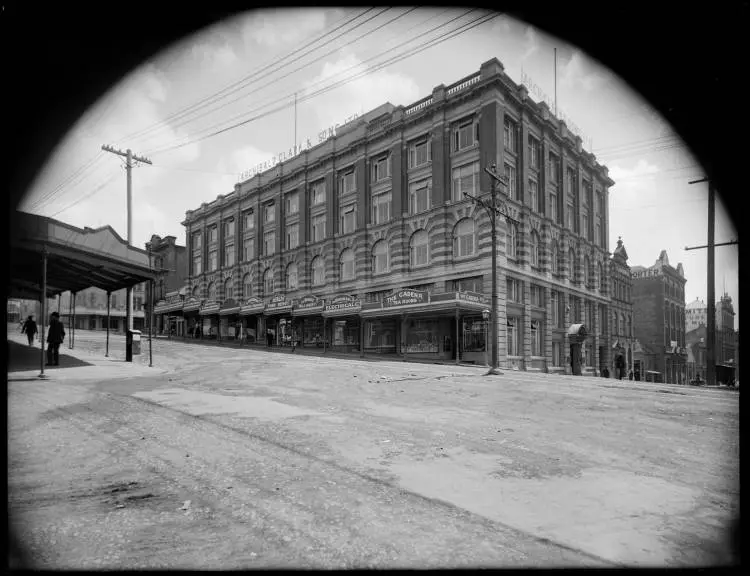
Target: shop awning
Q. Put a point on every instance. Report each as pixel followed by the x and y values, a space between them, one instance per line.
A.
pixel 251 306
pixel 434 303
pixel 230 306
pixel 192 304
pixel 209 309
pixel 308 306
pixel 342 306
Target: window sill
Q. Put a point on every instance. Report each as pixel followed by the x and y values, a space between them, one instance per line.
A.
pixel 464 258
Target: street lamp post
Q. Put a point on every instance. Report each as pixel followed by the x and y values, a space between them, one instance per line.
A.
pixel 493 209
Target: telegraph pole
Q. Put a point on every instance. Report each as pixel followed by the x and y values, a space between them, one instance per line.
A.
pixel 493 209
pixel 128 154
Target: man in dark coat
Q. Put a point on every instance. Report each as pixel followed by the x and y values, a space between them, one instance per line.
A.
pixel 55 337
pixel 30 329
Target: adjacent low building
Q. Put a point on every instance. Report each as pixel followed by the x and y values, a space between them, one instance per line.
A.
pixel 367 241
pixel 169 260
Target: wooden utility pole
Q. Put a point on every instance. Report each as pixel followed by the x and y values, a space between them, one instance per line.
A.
pixel 128 154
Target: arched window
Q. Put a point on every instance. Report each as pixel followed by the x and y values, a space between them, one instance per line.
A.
pixel 346 262
pixel 419 249
pixel 534 248
pixel 196 291
pixel 291 276
pixel 228 289
pixel 511 248
pixel 211 291
pixel 617 323
pixel 554 257
pixel 380 260
pixel 629 327
pixel 463 238
pixel 572 265
pixel 623 325
pixel 318 268
pixel 587 270
pixel 268 282
pixel 247 286
pixel 600 271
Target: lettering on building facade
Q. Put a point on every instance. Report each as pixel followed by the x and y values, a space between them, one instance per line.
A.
pixel 308 302
pixel 406 298
pixel 344 303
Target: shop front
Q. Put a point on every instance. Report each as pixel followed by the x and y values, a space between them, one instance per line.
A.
pixel 577 337
pixel 278 319
pixel 191 312
pixel 417 325
pixel 229 320
pixel 171 321
pixel 308 321
pixel 251 320
pixel 209 314
pixel 342 325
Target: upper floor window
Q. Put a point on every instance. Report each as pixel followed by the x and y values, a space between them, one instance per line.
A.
pixel 292 236
pixel 381 208
pixel 348 219
pixel 269 243
pixel 381 167
pixel 419 196
pixel 229 229
pixel 211 291
pixel 554 168
pixel 553 211
pixel 247 286
pixel 533 195
pixel 228 289
pixel 419 254
pixel 510 135
pixel 346 182
pixel 318 268
pixel 420 153
pixel 536 296
pixel 513 290
pixel 269 214
pixel 588 271
pixel 472 284
pixel 465 134
pixel 554 258
pixel 380 260
pixel 346 262
pixel 197 241
pixel 463 238
pixel 534 248
pixel 510 179
pixel 602 279
pixel 318 228
pixel 291 276
pixel 229 255
pixel 318 193
pixel 212 234
pixel 534 151
pixel 268 285
pixel 197 264
pixel 572 265
pixel 213 260
pixel 249 249
pixel 249 220
pixel 465 180
pixel 292 203
pixel 511 248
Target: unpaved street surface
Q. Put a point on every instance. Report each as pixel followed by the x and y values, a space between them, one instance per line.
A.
pixel 227 458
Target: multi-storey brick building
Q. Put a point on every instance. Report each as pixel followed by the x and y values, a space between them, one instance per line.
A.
pixel 659 319
pixel 170 260
pixel 366 241
pixel 621 311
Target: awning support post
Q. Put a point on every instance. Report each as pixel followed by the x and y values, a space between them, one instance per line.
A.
pixel 458 348
pixel 70 320
pixel 109 299
pixel 150 322
pixel 325 335
pixel 43 298
pixel 73 339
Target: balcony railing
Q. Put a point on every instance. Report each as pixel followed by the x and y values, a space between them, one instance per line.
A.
pixel 414 108
pixel 462 84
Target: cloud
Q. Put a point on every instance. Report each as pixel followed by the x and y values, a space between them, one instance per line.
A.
pixel 278 28
pixel 531 43
pixel 212 57
pixel 365 93
pixel 579 73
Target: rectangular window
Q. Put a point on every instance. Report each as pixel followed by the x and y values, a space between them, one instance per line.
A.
pixel 533 195
pixel 533 152
pixel 586 233
pixel 556 356
pixel 513 290
pixel 249 248
pixel 419 196
pixel 381 208
pixel 554 168
pixel 229 228
pixel 197 261
pixel 229 255
pixel 510 178
pixel 292 203
pixel 381 168
pixel 197 241
pixel 510 135
pixel 318 193
pixel 569 216
pixel 536 338
pixel 473 284
pixel 348 219
pixel 318 228
pixel 513 325
pixel 553 207
pixel 420 153
pixel 269 214
pixel 346 182
pixel 292 236
pixel 249 220
pixel 554 308
pixel 269 243
pixel 465 135
pixel 213 261
pixel 212 235
pixel 598 233
pixel 537 296
pixel 465 180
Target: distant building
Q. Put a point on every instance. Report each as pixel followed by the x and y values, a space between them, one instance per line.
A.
pixel 726 357
pixel 695 345
pixel 659 320
pixel 621 310
pixel 696 314
pixel 13 311
pixel 171 260
pixel 91 309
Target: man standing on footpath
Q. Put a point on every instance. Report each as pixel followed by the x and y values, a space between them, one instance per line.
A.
pixel 30 329
pixel 55 337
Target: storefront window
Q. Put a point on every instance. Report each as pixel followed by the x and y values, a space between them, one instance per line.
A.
pixel 536 339
pixel 345 332
pixel 474 334
pixel 381 335
pixel 512 330
pixel 422 337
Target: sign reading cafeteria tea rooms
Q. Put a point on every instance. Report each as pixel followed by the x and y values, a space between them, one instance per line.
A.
pixel 323 135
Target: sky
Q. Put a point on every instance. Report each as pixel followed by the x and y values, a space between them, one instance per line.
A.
pixel 249 69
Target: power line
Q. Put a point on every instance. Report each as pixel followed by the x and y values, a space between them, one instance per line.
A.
pixel 86 196
pixel 75 175
pixel 239 84
pixel 406 54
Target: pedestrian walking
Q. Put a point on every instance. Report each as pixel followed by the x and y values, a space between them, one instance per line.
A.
pixel 55 337
pixel 30 329
pixel 269 338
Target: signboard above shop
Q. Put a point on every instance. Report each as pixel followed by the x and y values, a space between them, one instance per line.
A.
pixel 308 302
pixel 278 304
pixel 406 297
pixel 344 303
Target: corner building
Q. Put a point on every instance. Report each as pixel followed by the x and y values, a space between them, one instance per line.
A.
pixel 366 242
